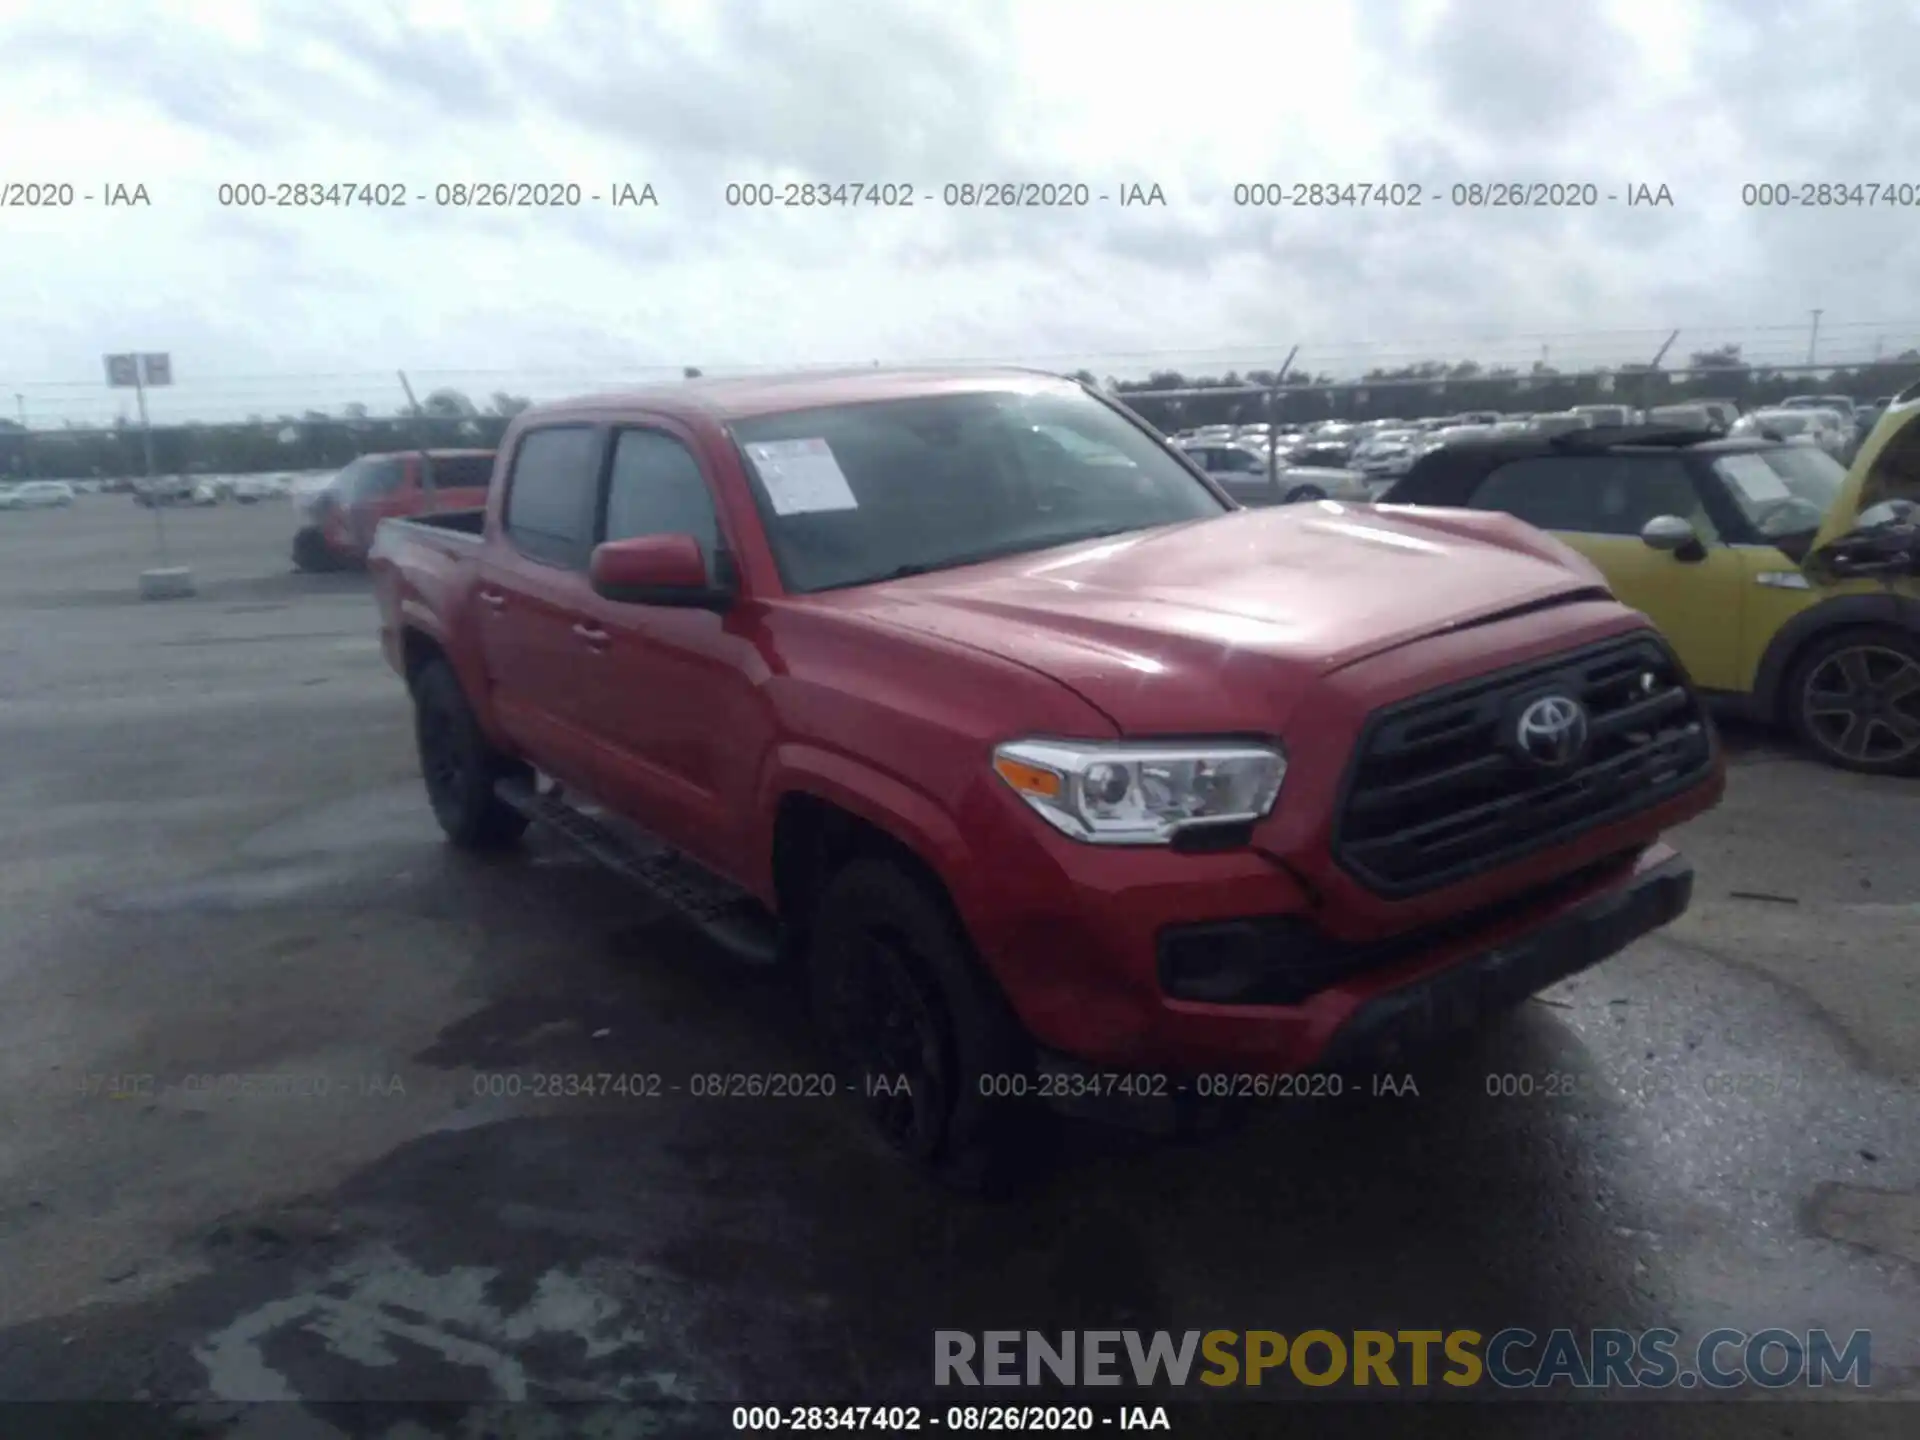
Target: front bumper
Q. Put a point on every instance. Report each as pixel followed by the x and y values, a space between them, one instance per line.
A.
pixel 1457 999
pixel 1365 1005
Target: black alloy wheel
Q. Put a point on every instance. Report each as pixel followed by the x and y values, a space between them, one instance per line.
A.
pixel 922 1035
pixel 893 1039
pixel 1856 702
pixel 459 767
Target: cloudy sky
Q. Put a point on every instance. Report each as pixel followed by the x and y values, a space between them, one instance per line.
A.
pixel 282 309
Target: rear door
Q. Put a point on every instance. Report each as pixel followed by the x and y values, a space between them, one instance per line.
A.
pixel 674 709
pixel 533 597
pixel 1598 504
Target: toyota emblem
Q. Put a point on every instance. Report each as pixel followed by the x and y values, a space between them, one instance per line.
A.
pixel 1552 731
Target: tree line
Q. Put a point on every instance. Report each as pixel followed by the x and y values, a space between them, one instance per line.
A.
pixel 316 440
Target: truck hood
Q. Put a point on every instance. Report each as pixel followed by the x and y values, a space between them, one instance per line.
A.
pixel 1215 624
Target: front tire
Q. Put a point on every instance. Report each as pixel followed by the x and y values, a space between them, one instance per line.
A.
pixel 458 765
pixel 899 997
pixel 1854 700
pixel 1300 494
pixel 310 552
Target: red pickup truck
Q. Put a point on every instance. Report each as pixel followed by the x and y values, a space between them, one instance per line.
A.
pixel 972 696
pixel 336 522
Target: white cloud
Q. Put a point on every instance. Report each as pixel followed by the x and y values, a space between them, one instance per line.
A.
pixel 278 310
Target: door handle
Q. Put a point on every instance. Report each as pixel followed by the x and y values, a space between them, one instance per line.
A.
pixel 492 599
pixel 593 635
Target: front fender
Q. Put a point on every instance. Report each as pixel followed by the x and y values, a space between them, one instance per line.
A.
pixel 888 803
pixel 1886 607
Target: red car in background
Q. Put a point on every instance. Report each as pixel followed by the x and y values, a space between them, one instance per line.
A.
pixel 337 521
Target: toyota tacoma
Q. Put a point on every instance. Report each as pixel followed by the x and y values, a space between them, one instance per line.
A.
pixel 974 701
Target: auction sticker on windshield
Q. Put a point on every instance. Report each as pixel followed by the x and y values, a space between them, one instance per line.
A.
pixel 801 476
pixel 1758 482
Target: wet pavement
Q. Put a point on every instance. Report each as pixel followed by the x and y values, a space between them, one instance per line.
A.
pixel 287 1113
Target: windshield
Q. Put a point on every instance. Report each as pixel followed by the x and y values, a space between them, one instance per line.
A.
pixel 1782 492
pixel 857 493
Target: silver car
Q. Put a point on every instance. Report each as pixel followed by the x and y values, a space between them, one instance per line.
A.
pixel 37 495
pixel 1302 483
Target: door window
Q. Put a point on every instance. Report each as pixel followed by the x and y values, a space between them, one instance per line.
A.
pixel 550 493
pixel 1595 494
pixel 655 488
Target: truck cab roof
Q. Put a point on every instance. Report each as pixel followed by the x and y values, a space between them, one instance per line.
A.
pixel 721 399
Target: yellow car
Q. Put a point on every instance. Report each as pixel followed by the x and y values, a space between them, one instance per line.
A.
pixel 1789 586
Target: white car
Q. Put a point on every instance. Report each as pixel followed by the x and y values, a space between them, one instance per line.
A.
pixel 37 495
pixel 1683 417
pixel 1795 426
pixel 1560 422
pixel 251 489
pixel 1386 454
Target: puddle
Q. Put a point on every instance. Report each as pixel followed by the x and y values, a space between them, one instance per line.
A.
pixel 229 894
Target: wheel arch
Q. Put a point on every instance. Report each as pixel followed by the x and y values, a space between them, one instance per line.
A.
pixel 815 836
pixel 1818 622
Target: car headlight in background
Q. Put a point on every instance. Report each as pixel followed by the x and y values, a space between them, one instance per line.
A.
pixel 1141 794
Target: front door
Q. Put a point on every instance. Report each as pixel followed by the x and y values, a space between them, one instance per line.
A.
pixel 1598 504
pixel 676 708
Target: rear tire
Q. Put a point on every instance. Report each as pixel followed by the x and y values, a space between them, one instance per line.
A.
pixel 1853 699
pixel 1300 494
pixel 898 995
pixel 458 765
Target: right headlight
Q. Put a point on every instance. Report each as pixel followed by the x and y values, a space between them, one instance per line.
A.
pixel 1141 794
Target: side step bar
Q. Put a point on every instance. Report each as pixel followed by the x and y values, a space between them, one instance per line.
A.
pixel 719 909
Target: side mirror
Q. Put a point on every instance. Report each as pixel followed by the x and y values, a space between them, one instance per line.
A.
pixel 656 570
pixel 1674 536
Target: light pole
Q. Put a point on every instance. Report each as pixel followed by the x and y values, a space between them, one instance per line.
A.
pixel 1813 339
pixel 26 435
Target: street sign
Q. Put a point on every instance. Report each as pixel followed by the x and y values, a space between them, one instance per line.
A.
pixel 157 369
pixel 123 372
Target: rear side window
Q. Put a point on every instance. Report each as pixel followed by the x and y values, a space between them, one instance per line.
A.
pixel 550 492
pixel 461 472
pixel 1595 494
pixel 655 488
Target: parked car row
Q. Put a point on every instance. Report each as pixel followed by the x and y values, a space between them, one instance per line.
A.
pixel 202 490
pixel 1381 449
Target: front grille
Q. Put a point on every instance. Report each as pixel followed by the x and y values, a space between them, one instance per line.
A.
pixel 1440 789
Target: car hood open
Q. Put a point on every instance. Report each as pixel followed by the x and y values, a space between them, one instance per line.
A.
pixel 1215 624
pixel 1844 514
